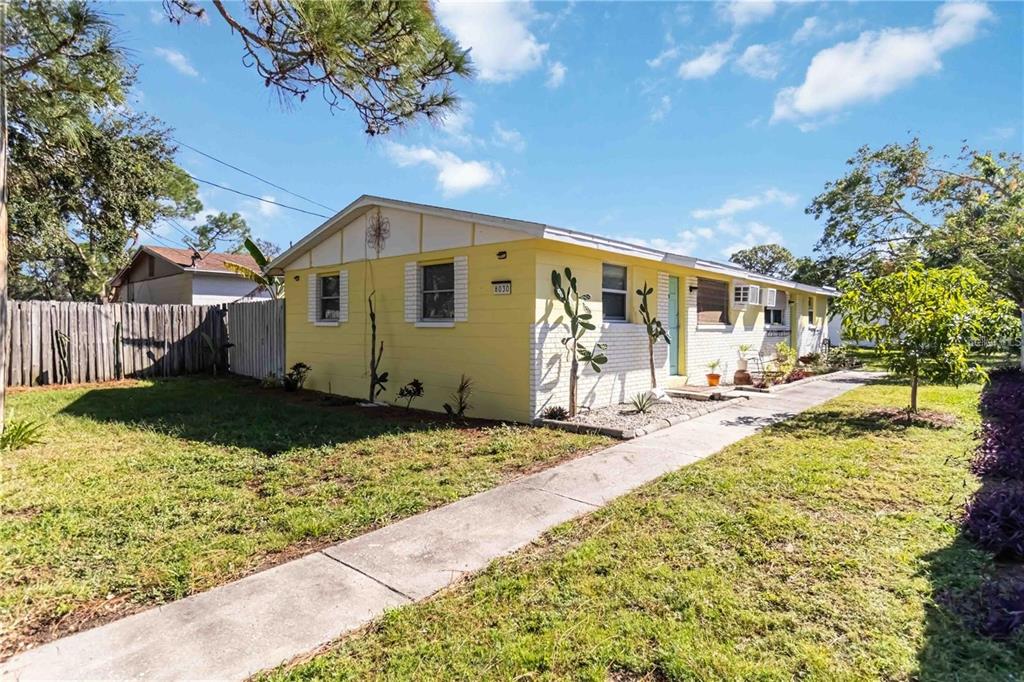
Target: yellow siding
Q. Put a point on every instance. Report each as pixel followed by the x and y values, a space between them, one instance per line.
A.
pixel 492 347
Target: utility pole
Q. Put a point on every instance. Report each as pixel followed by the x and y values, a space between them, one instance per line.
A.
pixel 3 212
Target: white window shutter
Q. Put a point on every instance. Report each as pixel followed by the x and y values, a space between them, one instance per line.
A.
pixel 461 288
pixel 755 295
pixel 343 296
pixel 412 292
pixel 769 298
pixel 312 313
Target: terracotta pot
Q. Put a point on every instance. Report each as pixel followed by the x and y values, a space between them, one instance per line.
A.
pixel 713 379
pixel 742 378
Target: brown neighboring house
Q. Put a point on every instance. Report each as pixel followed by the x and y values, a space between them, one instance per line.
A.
pixel 160 274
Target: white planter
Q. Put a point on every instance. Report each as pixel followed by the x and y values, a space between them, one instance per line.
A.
pixel 741 364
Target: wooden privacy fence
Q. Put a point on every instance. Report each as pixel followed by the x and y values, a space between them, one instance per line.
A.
pixel 257 331
pixel 59 342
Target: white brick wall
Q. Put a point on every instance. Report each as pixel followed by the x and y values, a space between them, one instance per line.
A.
pixel 626 373
pixel 662 294
pixel 708 343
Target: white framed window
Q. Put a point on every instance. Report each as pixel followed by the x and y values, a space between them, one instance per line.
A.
pixel 746 294
pixel 329 298
pixel 775 308
pixel 613 292
pixel 437 292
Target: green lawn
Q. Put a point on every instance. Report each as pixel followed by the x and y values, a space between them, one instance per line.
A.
pixel 149 491
pixel 822 548
pixel 872 359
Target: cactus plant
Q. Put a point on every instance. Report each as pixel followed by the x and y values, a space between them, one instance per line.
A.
pixel 655 330
pixel 377 381
pixel 579 316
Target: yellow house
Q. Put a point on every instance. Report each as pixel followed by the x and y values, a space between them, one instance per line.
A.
pixel 459 293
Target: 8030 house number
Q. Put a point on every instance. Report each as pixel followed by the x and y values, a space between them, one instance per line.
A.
pixel 502 287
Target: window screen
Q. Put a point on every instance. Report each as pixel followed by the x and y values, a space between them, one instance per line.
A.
pixel 438 302
pixel 613 292
pixel 329 297
pixel 712 301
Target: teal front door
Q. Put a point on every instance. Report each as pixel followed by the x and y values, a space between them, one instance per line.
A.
pixel 673 324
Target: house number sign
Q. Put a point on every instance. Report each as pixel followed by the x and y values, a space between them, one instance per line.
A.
pixel 502 287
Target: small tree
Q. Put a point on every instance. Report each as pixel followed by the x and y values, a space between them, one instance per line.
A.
pixel 655 330
pixel 578 313
pixel 925 322
pixel 377 380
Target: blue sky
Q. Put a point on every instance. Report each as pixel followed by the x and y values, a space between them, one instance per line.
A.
pixel 698 128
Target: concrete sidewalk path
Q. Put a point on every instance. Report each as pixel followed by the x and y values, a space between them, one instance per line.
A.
pixel 263 620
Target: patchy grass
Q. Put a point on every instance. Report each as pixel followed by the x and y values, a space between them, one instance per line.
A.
pixel 145 492
pixel 822 548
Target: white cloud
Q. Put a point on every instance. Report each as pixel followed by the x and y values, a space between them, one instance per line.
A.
pixel 707 63
pixel 503 48
pixel 666 55
pixel 754 233
pixel 156 16
pixel 177 60
pixel 744 12
pixel 268 210
pixel 508 137
pixel 556 75
pixel 684 242
pixel 877 63
pixel 816 28
pixel 661 109
pixel 734 205
pixel 760 61
pixel 454 176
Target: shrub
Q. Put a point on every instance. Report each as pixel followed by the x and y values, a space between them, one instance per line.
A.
pixel 555 412
pixel 1001 451
pixel 994 610
pixel 643 402
pixel 411 391
pixel 994 518
pixel 460 398
pixel 810 359
pixel 20 433
pixel 295 378
pixel 796 375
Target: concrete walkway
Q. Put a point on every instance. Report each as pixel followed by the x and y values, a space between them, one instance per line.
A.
pixel 268 618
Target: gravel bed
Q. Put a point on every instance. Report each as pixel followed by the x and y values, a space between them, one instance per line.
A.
pixel 625 417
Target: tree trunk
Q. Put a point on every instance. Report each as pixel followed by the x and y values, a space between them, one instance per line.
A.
pixel 3 240
pixel 1021 338
pixel 573 369
pixel 650 356
pixel 913 392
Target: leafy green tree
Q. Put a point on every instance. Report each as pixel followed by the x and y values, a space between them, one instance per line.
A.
pixel 820 272
pixel 387 59
pixel 772 260
pixel 925 321
pixel 899 204
pixel 229 228
pixel 86 175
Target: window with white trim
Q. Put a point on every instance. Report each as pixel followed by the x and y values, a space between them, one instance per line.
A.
pixel 776 314
pixel 329 298
pixel 743 294
pixel 613 292
pixel 437 293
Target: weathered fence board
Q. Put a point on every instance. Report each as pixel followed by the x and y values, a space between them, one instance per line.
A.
pixel 60 342
pixel 257 331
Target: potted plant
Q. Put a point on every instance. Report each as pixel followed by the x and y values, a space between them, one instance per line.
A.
pixel 742 377
pixel 713 376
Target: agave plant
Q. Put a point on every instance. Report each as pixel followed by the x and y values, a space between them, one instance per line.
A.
pixel 272 284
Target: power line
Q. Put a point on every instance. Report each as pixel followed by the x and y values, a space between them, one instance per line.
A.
pixel 253 196
pixel 253 175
